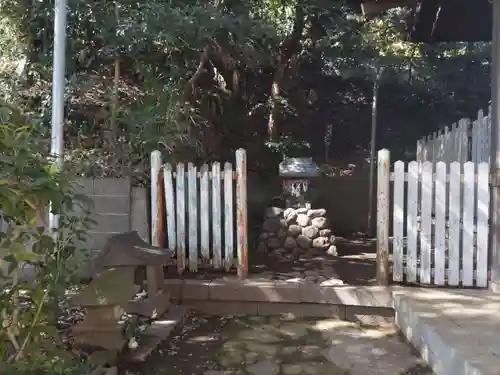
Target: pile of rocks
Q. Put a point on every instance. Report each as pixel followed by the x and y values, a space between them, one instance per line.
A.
pixel 296 231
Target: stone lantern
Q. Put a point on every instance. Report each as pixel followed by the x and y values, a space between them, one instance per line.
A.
pixel 296 175
pixel 297 229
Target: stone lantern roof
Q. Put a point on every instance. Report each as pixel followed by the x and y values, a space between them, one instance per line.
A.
pixel 298 168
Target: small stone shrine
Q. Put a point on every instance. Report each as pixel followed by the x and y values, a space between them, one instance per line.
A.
pixel 297 228
pixel 113 295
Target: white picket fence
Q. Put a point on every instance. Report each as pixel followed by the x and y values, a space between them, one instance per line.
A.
pixel 440 217
pixel 205 210
pixel 467 140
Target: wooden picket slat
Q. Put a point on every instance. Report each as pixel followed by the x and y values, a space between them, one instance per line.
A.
pixel 426 224
pixel 181 217
pixel 468 225
pixel 200 204
pixel 216 216
pixel 435 147
pixel 156 208
pixel 170 206
pixel 412 223
pixel 204 213
pixel 241 213
pixel 457 143
pixel 398 221
pixel 454 142
pixel 440 225
pixel 464 140
pixel 483 202
pixel 193 218
pixel 454 199
pixel 475 138
pixel 383 199
pixel 420 150
pixel 228 216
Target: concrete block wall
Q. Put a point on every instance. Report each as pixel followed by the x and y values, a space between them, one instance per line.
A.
pixel 110 209
pixel 116 207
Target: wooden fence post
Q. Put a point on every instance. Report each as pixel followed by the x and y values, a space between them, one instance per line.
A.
pixel 156 199
pixel 383 189
pixel 241 213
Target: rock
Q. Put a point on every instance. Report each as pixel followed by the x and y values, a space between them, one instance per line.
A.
pixel 262 247
pixel 216 372
pixel 321 243
pixel 273 212
pixel 316 252
pixel 332 251
pixel 294 230
pixel 320 212
pixel 290 243
pixel 303 220
pixel 293 369
pixel 283 224
pixel 265 235
pixel 289 211
pixel 325 232
pixel 332 282
pixel 266 367
pixel 333 240
pixel 279 252
pixel 320 222
pixel 301 210
pixel 272 225
pixel 291 218
pixel 273 243
pixel 303 242
pixel 281 234
pixel 310 232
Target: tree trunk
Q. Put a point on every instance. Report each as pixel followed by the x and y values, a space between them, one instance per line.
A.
pixel 287 52
pixel 371 184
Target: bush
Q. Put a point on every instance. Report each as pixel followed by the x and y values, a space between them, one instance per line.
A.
pixel 29 341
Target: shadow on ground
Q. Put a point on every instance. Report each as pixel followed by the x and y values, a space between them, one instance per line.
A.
pixel 209 345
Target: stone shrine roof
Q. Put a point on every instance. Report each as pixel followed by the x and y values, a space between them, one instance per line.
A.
pixel 298 168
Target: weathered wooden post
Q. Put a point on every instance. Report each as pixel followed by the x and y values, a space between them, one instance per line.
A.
pixel 156 199
pixel 383 189
pixel 241 213
pixel 495 152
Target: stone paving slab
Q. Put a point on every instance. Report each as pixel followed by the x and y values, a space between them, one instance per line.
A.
pixel 284 291
pixel 158 332
pixel 255 345
pixel 456 331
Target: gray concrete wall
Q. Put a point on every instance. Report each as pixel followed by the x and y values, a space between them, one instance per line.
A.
pixel 346 202
pixel 116 207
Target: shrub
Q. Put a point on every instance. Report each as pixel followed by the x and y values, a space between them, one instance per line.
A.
pixel 37 264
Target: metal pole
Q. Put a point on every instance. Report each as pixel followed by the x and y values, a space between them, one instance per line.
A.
pixel 58 83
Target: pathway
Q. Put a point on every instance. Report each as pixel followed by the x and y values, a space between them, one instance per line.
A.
pixel 282 346
pixel 457 331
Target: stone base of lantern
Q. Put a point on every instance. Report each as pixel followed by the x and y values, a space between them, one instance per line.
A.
pixel 292 232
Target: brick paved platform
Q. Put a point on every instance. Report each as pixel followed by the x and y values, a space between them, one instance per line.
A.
pixel 456 331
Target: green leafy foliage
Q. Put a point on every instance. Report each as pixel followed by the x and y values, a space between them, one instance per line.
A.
pixel 166 97
pixel 36 265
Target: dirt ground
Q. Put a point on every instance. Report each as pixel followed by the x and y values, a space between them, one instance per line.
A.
pixel 209 345
pixel 354 265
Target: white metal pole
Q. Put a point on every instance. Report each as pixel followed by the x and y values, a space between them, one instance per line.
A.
pixel 58 83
